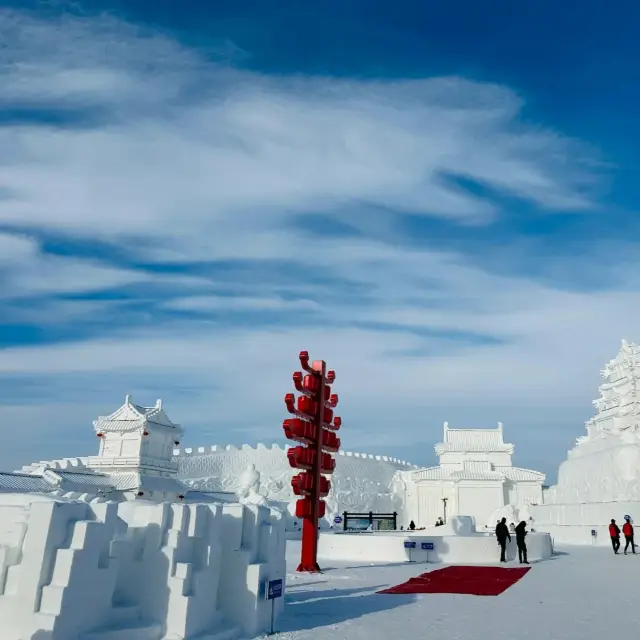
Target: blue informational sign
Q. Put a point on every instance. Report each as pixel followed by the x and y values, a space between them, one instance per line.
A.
pixel 409 544
pixel 427 546
pixel 337 520
pixel 274 589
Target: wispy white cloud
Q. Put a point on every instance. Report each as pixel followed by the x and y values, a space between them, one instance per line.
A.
pixel 191 160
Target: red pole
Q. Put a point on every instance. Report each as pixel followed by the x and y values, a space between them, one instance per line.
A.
pixel 316 431
pixel 309 554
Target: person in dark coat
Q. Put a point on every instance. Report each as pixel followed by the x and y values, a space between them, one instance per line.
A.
pixel 502 534
pixel 522 545
pixel 412 525
pixel 614 532
pixel 627 531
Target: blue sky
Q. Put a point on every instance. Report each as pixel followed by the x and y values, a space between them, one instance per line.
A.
pixel 438 198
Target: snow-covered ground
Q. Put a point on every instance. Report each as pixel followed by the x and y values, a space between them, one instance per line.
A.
pixel 582 593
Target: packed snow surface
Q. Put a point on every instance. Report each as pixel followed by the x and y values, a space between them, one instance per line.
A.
pixel 582 593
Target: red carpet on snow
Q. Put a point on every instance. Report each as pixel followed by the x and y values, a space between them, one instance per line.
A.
pixel 474 581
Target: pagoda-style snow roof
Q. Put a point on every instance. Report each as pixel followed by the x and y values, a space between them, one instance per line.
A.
pixel 480 470
pixel 473 440
pixel 133 417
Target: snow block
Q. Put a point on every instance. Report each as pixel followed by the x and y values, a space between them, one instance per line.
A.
pixel 106 571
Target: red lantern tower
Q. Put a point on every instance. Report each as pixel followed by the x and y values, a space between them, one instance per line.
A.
pixel 314 427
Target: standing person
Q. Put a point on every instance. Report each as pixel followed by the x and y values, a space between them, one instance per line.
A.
pixel 522 545
pixel 614 532
pixel 412 525
pixel 502 534
pixel 627 531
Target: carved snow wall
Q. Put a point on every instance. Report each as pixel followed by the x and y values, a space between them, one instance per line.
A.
pixel 128 571
pixel 361 482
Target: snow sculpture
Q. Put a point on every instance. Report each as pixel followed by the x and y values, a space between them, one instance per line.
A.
pixel 248 491
pixel 605 464
pixel 513 513
pixel 600 479
pixel 153 569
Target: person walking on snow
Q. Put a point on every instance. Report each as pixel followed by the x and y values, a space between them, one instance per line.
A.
pixel 522 545
pixel 502 534
pixel 614 532
pixel 627 531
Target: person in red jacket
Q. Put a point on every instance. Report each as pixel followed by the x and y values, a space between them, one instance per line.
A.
pixel 627 531
pixel 614 532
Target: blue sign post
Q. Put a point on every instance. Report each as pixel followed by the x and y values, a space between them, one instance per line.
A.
pixel 427 546
pixel 273 590
pixel 337 520
pixel 410 544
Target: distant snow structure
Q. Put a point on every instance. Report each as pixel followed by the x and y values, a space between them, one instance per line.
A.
pixel 475 477
pixel 600 479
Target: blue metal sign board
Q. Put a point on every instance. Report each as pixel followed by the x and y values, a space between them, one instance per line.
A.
pixel 409 544
pixel 337 520
pixel 274 589
pixel 427 546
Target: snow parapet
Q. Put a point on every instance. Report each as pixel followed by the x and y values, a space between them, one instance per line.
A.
pixel 71 569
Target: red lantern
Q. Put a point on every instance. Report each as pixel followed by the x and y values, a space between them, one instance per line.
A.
pixel 299 430
pixel 302 484
pixel 330 442
pixel 328 415
pixel 301 457
pixel 100 435
pixel 303 508
pixel 310 383
pixel 328 464
pixel 307 406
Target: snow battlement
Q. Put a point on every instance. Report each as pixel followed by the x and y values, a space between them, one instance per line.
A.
pixel 196 451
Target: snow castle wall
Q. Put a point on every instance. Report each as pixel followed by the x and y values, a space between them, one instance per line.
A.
pixel 361 482
pixel 134 570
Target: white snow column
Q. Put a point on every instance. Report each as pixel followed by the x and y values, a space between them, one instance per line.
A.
pixel 133 570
